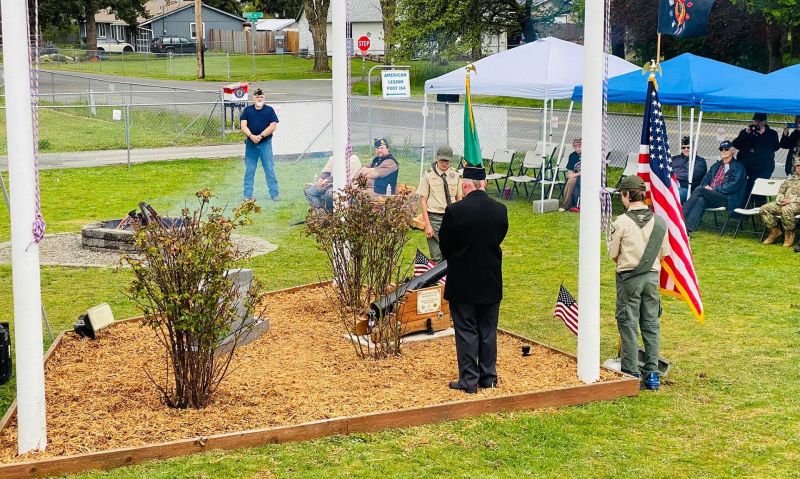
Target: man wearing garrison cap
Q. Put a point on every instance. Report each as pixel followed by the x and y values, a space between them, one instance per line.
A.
pixel 258 123
pixel 470 237
pixel 381 174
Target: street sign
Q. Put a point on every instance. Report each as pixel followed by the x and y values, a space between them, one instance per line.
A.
pixel 395 84
pixel 253 15
pixel 363 44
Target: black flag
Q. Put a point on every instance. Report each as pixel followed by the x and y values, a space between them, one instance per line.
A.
pixel 684 18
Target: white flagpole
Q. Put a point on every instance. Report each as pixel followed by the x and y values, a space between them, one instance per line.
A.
pixel 29 346
pixel 589 242
pixel 339 93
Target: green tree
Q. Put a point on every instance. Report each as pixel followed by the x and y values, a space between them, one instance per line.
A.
pixel 444 29
pixel 389 14
pixel 279 8
pixel 230 6
pixel 58 13
pixel 780 17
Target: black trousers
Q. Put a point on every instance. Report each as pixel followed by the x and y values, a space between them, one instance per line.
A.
pixel 476 343
pixel 696 205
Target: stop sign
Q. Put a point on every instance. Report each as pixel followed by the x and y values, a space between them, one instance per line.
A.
pixel 363 44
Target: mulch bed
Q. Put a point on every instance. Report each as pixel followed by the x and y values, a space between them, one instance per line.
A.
pixel 98 396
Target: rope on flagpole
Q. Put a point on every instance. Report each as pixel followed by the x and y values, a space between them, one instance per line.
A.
pixel 39 224
pixel 605 197
pixel 348 150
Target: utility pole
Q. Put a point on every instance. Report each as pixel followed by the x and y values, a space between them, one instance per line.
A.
pixel 199 33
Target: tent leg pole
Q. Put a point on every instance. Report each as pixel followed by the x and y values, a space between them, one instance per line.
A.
pixel 693 150
pixel 563 140
pixel 680 121
pixel 544 148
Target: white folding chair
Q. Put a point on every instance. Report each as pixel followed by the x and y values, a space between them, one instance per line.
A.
pixel 631 168
pixel 762 187
pixel 532 162
pixel 501 157
pixel 779 172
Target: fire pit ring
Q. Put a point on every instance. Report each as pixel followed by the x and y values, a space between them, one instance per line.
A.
pixel 106 236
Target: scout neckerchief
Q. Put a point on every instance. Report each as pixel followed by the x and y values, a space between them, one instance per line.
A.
pixel 444 181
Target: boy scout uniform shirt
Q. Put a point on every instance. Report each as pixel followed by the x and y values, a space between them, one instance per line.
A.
pixel 628 242
pixel 432 188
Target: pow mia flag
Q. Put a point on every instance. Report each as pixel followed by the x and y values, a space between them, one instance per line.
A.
pixel 684 18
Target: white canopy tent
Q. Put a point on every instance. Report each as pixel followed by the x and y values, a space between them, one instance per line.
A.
pixel 547 69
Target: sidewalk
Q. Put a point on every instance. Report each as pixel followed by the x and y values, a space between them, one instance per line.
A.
pixel 83 159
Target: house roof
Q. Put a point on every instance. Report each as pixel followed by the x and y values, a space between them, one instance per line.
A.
pixel 187 5
pixel 274 24
pixel 152 7
pixel 364 11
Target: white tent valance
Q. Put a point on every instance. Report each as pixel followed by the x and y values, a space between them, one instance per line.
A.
pixel 548 68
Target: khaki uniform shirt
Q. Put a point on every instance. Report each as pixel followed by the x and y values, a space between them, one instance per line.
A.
pixel 355 166
pixel 628 241
pixel 790 190
pixel 431 187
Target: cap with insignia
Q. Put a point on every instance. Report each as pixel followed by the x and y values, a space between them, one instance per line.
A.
pixel 379 142
pixel 725 145
pixel 258 92
pixel 685 140
pixel 444 153
pixel 759 117
pixel 474 173
pixel 632 182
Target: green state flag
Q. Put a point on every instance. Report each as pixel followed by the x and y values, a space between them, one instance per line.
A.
pixel 472 147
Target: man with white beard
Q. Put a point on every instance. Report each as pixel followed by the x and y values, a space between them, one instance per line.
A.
pixel 258 123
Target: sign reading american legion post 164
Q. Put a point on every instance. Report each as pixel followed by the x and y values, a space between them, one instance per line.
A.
pixel 395 84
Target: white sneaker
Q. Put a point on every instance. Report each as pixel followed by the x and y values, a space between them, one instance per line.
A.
pixel 561 209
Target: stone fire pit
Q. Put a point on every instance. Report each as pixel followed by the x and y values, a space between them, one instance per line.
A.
pixel 105 236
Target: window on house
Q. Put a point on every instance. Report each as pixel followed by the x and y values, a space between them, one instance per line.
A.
pixel 102 30
pixel 193 31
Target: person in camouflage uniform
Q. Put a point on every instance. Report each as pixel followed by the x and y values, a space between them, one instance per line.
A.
pixel 785 207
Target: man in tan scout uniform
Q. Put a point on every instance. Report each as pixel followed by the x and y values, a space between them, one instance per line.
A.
pixel 637 244
pixel 439 187
pixel 785 207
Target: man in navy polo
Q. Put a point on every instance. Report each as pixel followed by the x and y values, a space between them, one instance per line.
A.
pixel 258 123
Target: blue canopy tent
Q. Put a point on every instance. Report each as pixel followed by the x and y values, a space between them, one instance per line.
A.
pixel 774 93
pixel 688 80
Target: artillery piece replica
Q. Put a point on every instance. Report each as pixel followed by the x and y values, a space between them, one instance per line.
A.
pixel 417 303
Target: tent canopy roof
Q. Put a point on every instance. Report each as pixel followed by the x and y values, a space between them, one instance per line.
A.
pixel 687 80
pixel 547 68
pixel 777 92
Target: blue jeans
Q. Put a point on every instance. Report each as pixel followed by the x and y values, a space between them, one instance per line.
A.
pixel 252 154
pixel 684 193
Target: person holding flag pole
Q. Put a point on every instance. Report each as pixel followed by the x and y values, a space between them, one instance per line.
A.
pixel 470 237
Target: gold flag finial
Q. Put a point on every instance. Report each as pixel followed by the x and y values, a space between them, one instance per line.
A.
pixel 470 68
pixel 652 67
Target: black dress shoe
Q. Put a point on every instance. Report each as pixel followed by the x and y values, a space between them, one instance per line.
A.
pixel 456 385
pixel 487 384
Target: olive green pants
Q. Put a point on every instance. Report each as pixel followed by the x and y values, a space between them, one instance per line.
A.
pixel 433 242
pixel 639 306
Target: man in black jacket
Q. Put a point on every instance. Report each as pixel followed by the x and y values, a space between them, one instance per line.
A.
pixel 757 145
pixel 470 236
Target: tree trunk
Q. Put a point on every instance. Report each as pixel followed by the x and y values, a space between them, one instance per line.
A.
pixel 317 15
pixel 775 42
pixel 795 46
pixel 389 12
pixel 91 27
pixel 618 40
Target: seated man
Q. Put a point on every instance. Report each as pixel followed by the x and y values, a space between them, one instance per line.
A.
pixel 680 165
pixel 785 207
pixel 572 189
pixel 381 174
pixel 319 193
pixel 724 185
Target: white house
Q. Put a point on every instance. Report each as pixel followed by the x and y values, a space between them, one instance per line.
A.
pixel 367 20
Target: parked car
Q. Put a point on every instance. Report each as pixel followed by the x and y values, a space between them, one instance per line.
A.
pixel 113 45
pixel 173 45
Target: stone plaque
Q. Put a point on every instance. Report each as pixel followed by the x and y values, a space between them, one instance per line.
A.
pixel 429 300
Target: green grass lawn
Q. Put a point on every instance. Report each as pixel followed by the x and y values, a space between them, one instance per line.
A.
pixel 728 409
pixel 184 67
pixel 77 129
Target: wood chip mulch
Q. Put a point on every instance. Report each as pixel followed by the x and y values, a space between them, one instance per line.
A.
pixel 99 397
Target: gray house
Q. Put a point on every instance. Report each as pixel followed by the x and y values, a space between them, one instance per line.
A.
pixel 180 22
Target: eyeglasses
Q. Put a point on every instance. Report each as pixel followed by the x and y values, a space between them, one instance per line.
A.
pixel 685 147
pixel 724 149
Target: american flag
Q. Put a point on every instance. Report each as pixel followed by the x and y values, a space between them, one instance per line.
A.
pixel 422 264
pixel 567 310
pixel 678 276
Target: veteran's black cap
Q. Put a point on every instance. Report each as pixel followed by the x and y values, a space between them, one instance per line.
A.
pixel 379 142
pixel 685 141
pixel 725 145
pixel 258 92
pixel 474 173
pixel 759 117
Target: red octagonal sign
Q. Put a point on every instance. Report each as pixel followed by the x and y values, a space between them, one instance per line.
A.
pixel 363 43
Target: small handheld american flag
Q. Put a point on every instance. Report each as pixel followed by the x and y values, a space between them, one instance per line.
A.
pixel 567 309
pixel 422 264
